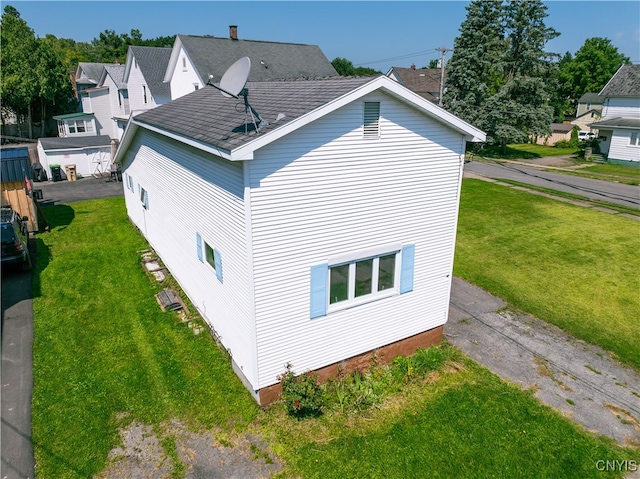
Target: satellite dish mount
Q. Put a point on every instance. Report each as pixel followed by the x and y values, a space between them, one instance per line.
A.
pixel 232 85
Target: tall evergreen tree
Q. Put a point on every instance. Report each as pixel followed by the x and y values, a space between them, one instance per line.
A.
pixel 498 77
pixel 474 72
pixel 520 109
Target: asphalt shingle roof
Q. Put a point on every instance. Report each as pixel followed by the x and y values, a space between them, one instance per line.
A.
pixel 593 98
pixel 423 81
pixel 116 72
pixel 73 142
pixel 626 82
pixel 93 71
pixel 269 60
pixel 153 62
pixel 208 117
pixel 618 123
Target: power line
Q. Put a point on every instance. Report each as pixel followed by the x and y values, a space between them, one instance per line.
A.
pixel 401 57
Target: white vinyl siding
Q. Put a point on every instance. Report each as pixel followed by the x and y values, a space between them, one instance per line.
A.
pixel 192 193
pixel 622 148
pixel 621 108
pixel 183 79
pixel 98 102
pixel 325 190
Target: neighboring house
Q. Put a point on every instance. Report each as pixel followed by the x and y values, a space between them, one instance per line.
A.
pixel 193 59
pixel 144 74
pixel 425 82
pixel 87 75
pixel 619 128
pixel 586 119
pixel 108 101
pixel 76 124
pixel 589 102
pixel 324 237
pixel 559 132
pixel 90 154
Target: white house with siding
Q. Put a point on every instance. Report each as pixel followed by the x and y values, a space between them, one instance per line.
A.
pixel 619 128
pixel 143 74
pixel 320 238
pixel 194 59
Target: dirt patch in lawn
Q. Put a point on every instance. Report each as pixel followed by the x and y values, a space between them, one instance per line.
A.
pixel 179 452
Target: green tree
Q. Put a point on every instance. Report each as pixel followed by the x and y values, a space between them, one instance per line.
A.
pixel 18 47
pixel 110 47
pixel 345 67
pixel 474 72
pixel 589 70
pixel 498 76
pixel 520 109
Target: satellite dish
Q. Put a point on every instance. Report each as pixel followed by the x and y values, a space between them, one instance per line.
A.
pixel 235 78
pixel 232 85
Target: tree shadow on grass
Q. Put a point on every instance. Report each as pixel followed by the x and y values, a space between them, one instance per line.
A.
pixel 59 216
pixel 509 153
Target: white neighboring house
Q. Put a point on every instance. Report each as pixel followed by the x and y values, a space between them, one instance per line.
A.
pixel 89 154
pixel 87 75
pixel 108 101
pixel 325 237
pixel 144 74
pixel 619 128
pixel 194 58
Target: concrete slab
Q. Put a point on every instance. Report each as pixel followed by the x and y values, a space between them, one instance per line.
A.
pixel 581 381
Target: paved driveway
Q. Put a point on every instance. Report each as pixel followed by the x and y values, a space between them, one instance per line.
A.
pixel 17 376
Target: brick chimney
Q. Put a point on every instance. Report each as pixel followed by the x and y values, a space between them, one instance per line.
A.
pixel 233 32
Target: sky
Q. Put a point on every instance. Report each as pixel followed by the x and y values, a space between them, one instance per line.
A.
pixel 375 34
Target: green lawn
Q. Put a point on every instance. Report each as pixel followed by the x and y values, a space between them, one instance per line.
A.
pixel 462 422
pixel 524 151
pixel 620 173
pixel 105 355
pixel 568 265
pixel 103 347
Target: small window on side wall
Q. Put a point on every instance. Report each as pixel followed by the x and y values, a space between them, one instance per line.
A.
pixel 207 253
pixel 144 198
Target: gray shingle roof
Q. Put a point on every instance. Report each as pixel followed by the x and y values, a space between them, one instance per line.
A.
pixel 625 82
pixel 593 98
pixel 269 60
pixel 93 71
pixel 153 62
pixel 208 117
pixel 74 142
pixel 116 72
pixel 619 122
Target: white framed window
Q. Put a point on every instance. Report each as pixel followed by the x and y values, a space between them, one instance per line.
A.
pixel 144 94
pixel 354 279
pixel 634 139
pixel 196 86
pixel 184 64
pixel 210 255
pixel 144 198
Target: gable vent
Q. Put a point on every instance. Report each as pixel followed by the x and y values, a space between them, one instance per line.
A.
pixel 371 119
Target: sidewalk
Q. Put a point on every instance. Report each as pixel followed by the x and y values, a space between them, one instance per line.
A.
pixel 581 381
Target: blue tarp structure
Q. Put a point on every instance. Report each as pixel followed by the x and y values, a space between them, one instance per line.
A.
pixel 14 164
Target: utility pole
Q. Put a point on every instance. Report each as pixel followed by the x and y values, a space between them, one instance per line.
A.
pixel 444 51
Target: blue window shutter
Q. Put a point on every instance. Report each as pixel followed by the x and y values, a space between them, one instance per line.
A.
pixel 406 271
pixel 199 246
pixel 319 275
pixel 217 261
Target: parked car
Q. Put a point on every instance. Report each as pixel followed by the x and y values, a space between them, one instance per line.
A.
pixel 586 135
pixel 15 239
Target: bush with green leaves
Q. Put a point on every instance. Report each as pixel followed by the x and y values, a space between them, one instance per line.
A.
pixel 302 394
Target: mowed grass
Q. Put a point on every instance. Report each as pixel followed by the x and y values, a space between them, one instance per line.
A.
pixel 571 266
pixel 460 421
pixel 104 355
pixel 103 347
pixel 524 151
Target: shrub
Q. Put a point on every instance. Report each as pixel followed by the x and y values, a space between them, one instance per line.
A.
pixel 302 395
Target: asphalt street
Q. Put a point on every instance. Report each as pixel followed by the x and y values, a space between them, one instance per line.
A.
pixel 618 193
pixel 17 374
